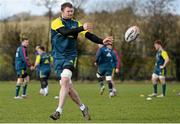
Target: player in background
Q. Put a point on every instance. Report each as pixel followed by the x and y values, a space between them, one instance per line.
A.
pixel 115 70
pixel 21 65
pixel 43 62
pixel 159 73
pixel 64 33
pixel 106 62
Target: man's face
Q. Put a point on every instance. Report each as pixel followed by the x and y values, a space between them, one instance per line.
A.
pixel 39 51
pixel 68 13
pixel 26 43
pixel 156 46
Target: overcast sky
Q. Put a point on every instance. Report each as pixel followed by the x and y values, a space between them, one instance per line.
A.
pixel 11 7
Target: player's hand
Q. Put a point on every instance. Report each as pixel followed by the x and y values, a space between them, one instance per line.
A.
pixel 87 26
pixel 117 70
pixel 161 66
pixel 108 40
pixel 95 64
pixel 32 68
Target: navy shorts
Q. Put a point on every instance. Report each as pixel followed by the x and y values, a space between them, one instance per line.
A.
pixel 60 64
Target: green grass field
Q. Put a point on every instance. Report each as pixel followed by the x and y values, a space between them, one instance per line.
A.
pixel 127 106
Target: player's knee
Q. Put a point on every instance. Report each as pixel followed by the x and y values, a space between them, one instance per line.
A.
pixel 66 73
pixel 162 79
pixel 19 81
pixel 154 78
pixel 108 78
pixel 98 75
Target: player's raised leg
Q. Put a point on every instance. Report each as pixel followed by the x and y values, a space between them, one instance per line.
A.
pixel 75 97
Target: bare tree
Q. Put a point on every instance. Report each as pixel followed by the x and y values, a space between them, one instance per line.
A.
pixel 49 4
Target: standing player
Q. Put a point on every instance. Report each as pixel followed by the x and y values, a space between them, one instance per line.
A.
pixel 43 62
pixel 21 65
pixel 64 33
pixel 162 60
pixel 106 62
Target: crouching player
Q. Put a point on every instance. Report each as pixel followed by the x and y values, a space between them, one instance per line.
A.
pixel 106 61
pixel 43 62
pixel 21 65
pixel 162 60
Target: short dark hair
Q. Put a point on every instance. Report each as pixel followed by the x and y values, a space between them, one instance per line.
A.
pixel 158 42
pixel 24 38
pixel 42 48
pixel 64 5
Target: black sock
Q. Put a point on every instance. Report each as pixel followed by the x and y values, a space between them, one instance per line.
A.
pixel 164 89
pixel 155 88
pixel 110 86
pixel 100 80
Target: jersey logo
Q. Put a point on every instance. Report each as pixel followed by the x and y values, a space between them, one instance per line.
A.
pixel 73 27
pixel 71 61
pixel 46 61
pixel 108 55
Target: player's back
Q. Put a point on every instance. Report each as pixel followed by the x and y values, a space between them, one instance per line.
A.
pixel 19 58
pixel 45 62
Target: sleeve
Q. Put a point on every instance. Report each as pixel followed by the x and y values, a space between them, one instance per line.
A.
pixel 117 58
pixel 98 54
pixel 58 26
pixel 38 59
pixel 93 38
pixel 115 61
pixel 25 57
pixel 51 59
pixel 164 54
pixel 90 36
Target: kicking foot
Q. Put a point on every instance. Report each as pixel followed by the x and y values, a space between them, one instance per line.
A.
pixel 85 113
pixel 55 115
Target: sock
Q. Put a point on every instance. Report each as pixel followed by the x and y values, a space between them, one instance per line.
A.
pixel 101 83
pixel 24 89
pixel 59 109
pixel 155 88
pixel 82 107
pixel 17 90
pixel 114 90
pixel 45 91
pixel 164 89
pixel 110 86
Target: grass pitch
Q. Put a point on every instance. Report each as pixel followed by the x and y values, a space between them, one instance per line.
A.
pixel 128 106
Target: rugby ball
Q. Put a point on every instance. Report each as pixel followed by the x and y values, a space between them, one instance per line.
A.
pixel 132 33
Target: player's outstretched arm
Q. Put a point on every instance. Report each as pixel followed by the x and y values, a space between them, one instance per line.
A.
pixel 97 40
pixel 69 32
